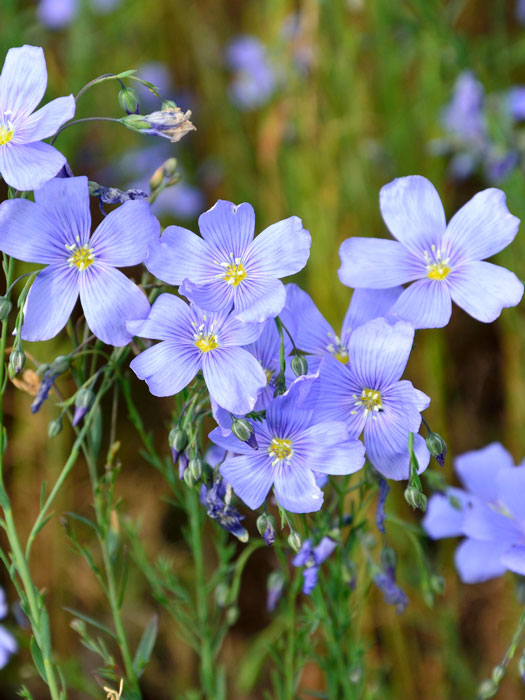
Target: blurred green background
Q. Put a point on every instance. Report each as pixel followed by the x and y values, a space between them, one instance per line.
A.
pixel 362 112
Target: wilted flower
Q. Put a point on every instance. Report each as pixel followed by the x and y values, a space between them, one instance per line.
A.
pixel 55 230
pixel 170 123
pixel 227 266
pixel 445 262
pixel 25 161
pixel 112 195
pixel 312 558
pixel 216 499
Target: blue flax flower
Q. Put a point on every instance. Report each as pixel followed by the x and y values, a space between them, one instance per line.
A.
pixel 292 444
pixel 8 644
pixel 392 593
pixel 312 558
pixel 217 501
pixel 55 230
pixel 25 162
pixel 194 340
pixel 266 349
pixel 255 80
pixel 314 335
pixel 489 511
pixel 367 394
pixel 444 262
pixel 227 266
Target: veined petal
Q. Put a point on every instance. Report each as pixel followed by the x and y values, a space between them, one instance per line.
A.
pixel 23 81
pixel 367 304
pixel 443 518
pixel 212 296
pixel 482 227
pixel 425 304
pixel 251 477
pixel 386 442
pixel 178 254
pixel 228 227
pixel 483 522
pixel 479 561
pixel 378 352
pixel 514 559
pixel 125 234
pixel 169 318
pixel 28 234
pixel 511 490
pixel 376 263
pixel 230 443
pixel 50 302
pixel 483 290
pixel 259 299
pixel 167 367
pixel 309 328
pixel 46 121
pixel 66 203
pixel 109 299
pixel 295 488
pixel 413 212
pixel 345 458
pixel 338 392
pixel 234 332
pixel 282 249
pixel 479 470
pixel 29 166
pixel 234 378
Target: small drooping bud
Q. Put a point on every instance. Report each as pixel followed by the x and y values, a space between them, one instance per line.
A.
pixel 299 365
pixel 83 402
pixel 129 100
pixel 195 468
pixel 266 528
pixel 295 541
pixel 169 167
pixel 232 615
pixel 415 498
pixel 178 440
pixel 242 429
pixel 60 364
pixel 497 673
pixel 487 689
pixel 222 595
pixel 437 584
pixel 5 307
pixel 437 448
pixel 183 465
pixel 156 179
pixel 17 360
pixel 54 428
pixel 188 478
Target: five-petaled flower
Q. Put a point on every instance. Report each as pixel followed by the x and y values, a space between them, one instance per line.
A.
pixel 227 266
pixel 311 558
pixel 25 162
pixel 55 230
pixel 194 340
pixel 445 262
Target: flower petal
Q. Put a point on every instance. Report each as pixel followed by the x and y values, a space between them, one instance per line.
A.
pixel 483 290
pixel 50 302
pixel 23 81
pixel 123 237
pixel 229 227
pixel 212 296
pixel 46 121
pixel 178 254
pixel 386 442
pixel 336 400
pixel 169 318
pixel 413 212
pixel 166 367
pixel 282 249
pixel 514 559
pixel 234 378
pixel 229 442
pixel 443 518
pixel 375 263
pixel 109 299
pixel 367 304
pixel 378 352
pixel 235 332
pixel 295 488
pixel 483 522
pixel 346 458
pixel 66 202
pixel 479 470
pixel 309 328
pixel 482 227
pixel 425 304
pixel 479 561
pixel 260 300
pixel 511 490
pixel 29 166
pixel 251 477
pixel 28 234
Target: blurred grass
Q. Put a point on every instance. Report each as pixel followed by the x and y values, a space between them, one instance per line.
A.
pixel 321 149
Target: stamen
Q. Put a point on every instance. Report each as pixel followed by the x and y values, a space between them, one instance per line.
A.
pixel 438 267
pixel 205 339
pixel 81 256
pixel 7 130
pixel 280 449
pixel 338 350
pixel 233 273
pixel 370 401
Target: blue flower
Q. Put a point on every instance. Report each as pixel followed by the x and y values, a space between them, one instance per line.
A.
pixel 443 261
pixel 464 116
pixel 8 644
pixel 391 591
pixel 55 14
pixel 314 335
pixel 312 558
pixel 55 230
pixel 194 340
pixel 489 512
pixel 367 394
pixel 216 499
pixel 292 444
pixel 255 79
pixel 25 162
pixel 227 266
pixel 266 349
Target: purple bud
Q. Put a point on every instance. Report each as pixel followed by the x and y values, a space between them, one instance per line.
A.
pixel 384 489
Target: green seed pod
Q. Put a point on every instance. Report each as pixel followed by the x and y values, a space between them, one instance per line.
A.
pixel 299 365
pixel 17 360
pixel 415 498
pixel 195 468
pixel 5 307
pixel 294 540
pixel 242 429
pixel 129 100
pixel 178 439
pixel 54 428
pixel 60 364
pixel 188 478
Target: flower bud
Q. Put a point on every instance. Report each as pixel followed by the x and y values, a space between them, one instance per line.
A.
pixel 487 689
pixel 497 673
pixel 242 429
pixel 299 365
pixel 54 428
pixel 178 439
pixel 232 615
pixel 266 528
pixel 195 468
pixel 83 402
pixel 17 360
pixel 188 478
pixel 222 594
pixel 415 498
pixel 437 584
pixel 136 122
pixel 294 541
pixel 169 167
pixel 156 179
pixel 437 448
pixel 129 100
pixel 60 364
pixel 521 667
pixel 5 307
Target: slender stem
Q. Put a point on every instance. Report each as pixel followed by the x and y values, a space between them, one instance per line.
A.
pixel 82 121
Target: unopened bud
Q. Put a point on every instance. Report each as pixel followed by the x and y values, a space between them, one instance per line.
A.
pixel 294 541
pixel 60 364
pixel 497 673
pixel 129 100
pixel 521 667
pixel 222 594
pixel 169 104
pixel 188 478
pixel 437 448
pixel 487 689
pixel 178 439
pixel 5 307
pixel 195 468
pixel 415 498
pixel 156 179
pixel 17 360
pixel 299 365
pixel 437 584
pixel 54 428
pixel 242 429
pixel 232 615
pixel 135 122
pixel 83 402
pixel 169 167
pixel 262 523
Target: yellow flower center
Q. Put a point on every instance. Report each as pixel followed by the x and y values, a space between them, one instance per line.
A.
pixel 280 449
pixel 81 256
pixel 269 374
pixel 234 271
pixel 338 350
pixel 6 133
pixel 205 343
pixel 437 264
pixel 369 400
